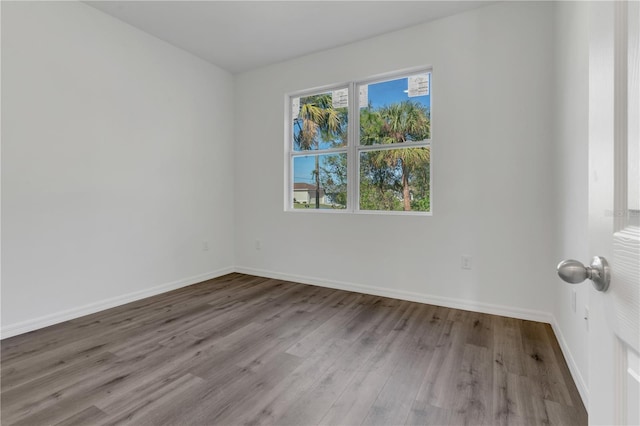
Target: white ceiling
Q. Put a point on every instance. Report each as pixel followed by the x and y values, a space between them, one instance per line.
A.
pixel 243 35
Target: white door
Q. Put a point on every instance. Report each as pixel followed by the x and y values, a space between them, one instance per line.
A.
pixel 614 207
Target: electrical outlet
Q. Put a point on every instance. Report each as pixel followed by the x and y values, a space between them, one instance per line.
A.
pixel 466 262
pixel 573 301
pixel 205 246
pixel 258 244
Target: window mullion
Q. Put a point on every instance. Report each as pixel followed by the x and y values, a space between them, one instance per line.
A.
pixel 383 147
pixel 319 152
pixel 352 156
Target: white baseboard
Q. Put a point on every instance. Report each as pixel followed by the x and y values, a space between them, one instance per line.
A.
pixel 573 367
pixel 467 305
pixel 91 308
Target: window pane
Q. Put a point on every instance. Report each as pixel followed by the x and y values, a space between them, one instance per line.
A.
pixel 320 181
pixel 396 111
pixel 320 121
pixel 395 179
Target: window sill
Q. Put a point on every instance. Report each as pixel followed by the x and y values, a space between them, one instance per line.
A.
pixel 359 212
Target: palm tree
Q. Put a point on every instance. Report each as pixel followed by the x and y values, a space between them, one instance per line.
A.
pixel 317 120
pixel 398 123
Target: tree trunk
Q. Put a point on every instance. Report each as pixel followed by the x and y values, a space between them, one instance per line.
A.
pixel 406 195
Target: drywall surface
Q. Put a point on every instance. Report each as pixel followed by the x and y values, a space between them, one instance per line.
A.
pixel 571 179
pixel 492 93
pixel 117 159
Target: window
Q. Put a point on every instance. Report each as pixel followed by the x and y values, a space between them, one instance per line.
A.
pixel 362 147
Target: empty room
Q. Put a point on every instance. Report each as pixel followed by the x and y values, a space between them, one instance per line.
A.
pixel 320 212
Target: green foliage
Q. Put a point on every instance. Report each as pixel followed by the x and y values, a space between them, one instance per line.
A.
pixel 333 178
pixel 371 126
pixel 377 198
pixel 421 204
pixel 398 173
pixel 319 122
pixel 406 121
pixel 390 179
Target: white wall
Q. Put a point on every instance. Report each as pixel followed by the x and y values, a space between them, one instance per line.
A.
pixel 492 169
pixel 117 159
pixel 571 178
pixel 118 152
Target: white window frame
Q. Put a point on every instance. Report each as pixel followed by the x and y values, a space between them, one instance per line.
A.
pixel 353 147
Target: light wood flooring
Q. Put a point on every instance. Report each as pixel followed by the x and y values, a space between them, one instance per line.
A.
pixel 247 350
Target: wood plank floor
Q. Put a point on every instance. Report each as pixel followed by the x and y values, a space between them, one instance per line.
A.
pixel 247 350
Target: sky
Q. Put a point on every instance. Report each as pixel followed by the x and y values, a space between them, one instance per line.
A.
pixel 380 94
